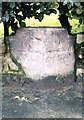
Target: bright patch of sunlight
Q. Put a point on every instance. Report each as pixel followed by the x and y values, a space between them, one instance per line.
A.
pixel 1 30
pixel 73 22
pixel 51 20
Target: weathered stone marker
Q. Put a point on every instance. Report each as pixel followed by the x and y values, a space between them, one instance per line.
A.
pixel 43 51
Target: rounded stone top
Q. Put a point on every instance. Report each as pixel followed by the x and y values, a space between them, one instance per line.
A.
pixel 43 51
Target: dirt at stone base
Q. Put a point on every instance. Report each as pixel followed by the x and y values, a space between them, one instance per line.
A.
pixel 53 97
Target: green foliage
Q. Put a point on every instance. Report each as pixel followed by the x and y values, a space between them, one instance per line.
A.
pixel 15 13
pixel 14 26
pixel 6 17
pixel 19 11
pixel 22 24
pixel 40 17
pixel 75 10
pixel 12 5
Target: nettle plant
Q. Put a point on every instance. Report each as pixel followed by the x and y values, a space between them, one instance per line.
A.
pixel 15 13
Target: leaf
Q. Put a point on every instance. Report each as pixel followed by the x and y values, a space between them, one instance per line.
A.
pixel 6 17
pixel 42 8
pixel 35 7
pixel 47 12
pixel 79 11
pixel 48 4
pixel 14 26
pixel 54 5
pixel 28 14
pixel 69 5
pixel 36 17
pixel 12 14
pixel 20 18
pixel 40 17
pixel 12 5
pixel 69 15
pixel 80 21
pixel 77 4
pixel 68 2
pixel 53 11
pixel 22 24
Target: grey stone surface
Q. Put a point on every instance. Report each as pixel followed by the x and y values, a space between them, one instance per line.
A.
pixel 0 56
pixel 43 52
pixel 0 78
pixel 80 38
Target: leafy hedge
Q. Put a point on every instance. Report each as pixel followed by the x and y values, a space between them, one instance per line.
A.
pixel 14 13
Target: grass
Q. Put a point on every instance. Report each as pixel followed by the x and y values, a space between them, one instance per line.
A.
pixel 1 30
pixel 51 20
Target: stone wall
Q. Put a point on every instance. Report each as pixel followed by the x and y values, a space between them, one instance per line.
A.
pixel 43 52
pixel 1 55
pixel 80 38
pixel 0 78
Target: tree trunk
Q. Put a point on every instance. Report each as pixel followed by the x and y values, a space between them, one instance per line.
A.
pixel 75 64
pixel 63 18
pixel 7 52
pixel 5 24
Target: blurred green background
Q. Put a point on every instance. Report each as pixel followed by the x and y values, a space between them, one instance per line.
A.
pixel 49 20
